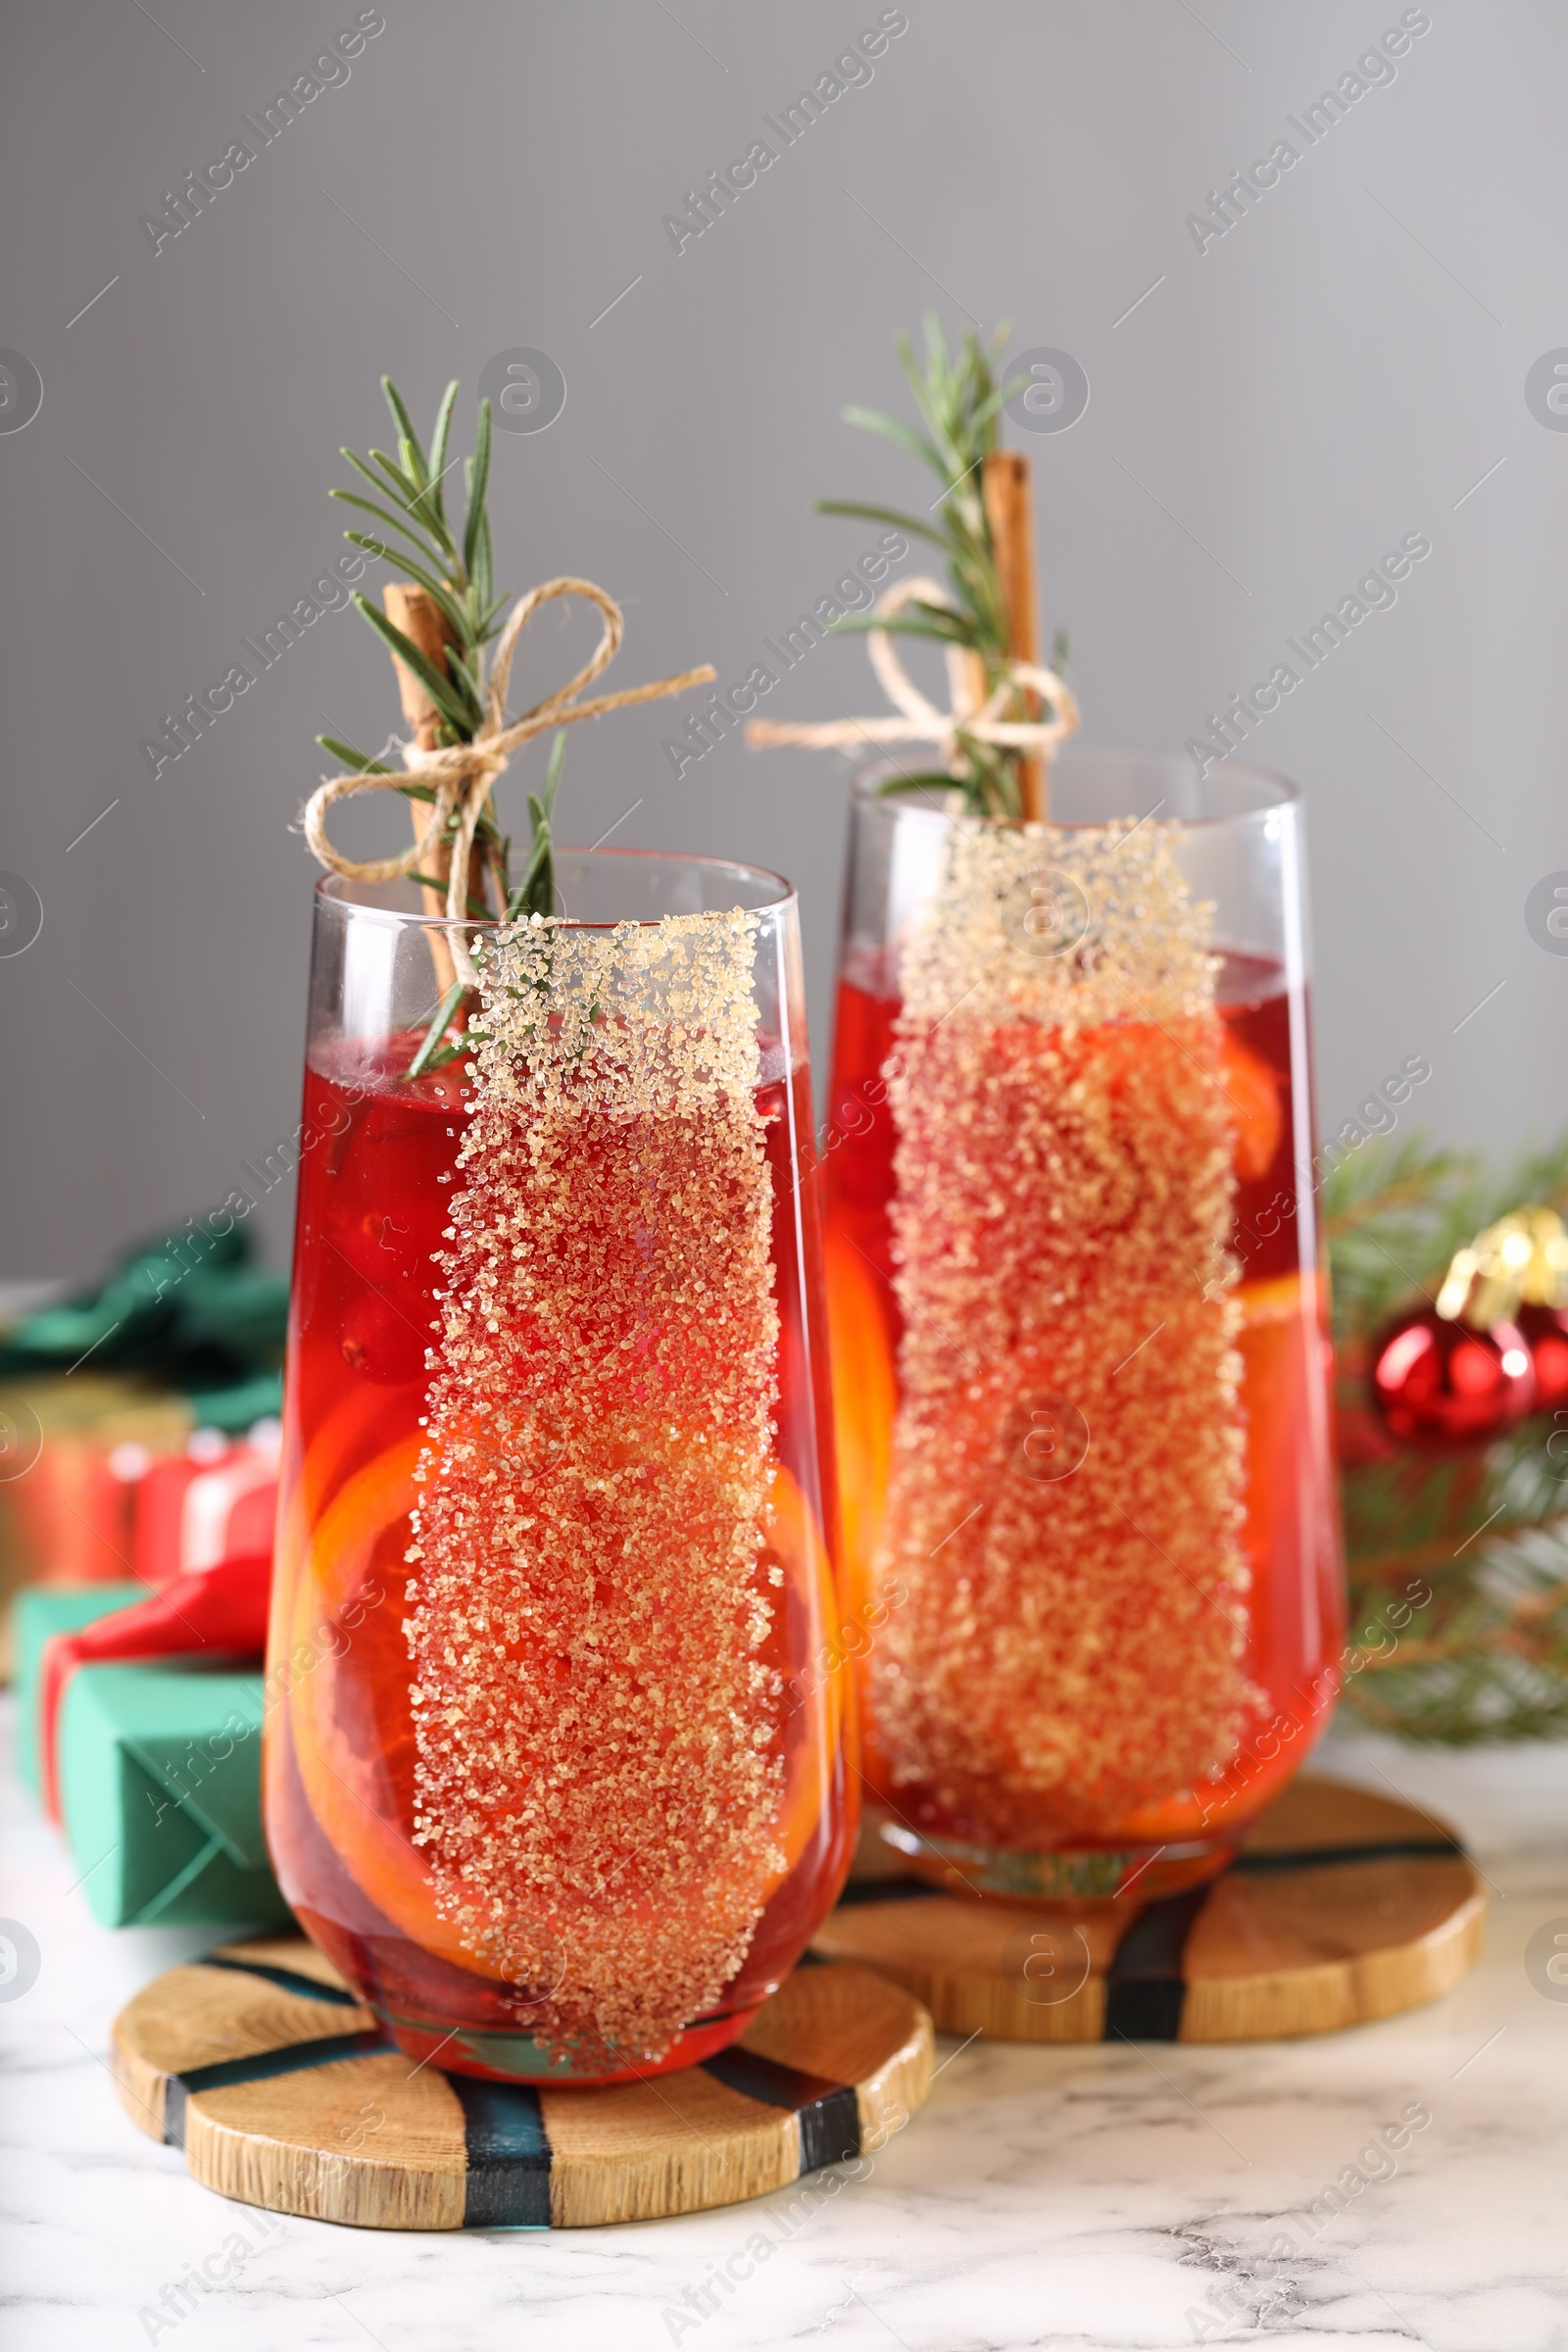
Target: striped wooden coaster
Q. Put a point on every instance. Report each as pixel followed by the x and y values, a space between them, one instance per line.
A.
pixel 285 2092
pixel 1339 1907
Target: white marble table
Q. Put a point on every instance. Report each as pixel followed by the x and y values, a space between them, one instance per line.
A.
pixel 1084 2197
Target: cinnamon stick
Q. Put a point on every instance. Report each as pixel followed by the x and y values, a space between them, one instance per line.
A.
pixel 1009 503
pixel 416 614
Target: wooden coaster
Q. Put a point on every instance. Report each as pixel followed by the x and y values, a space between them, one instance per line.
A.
pixel 285 2092
pixel 1339 1907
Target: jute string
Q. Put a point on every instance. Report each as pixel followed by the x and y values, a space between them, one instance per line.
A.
pixel 461 775
pixel 921 720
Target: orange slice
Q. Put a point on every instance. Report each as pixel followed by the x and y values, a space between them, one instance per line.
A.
pixel 354 1752
pixel 864 1406
pixel 1252 1093
pixel 1286 1392
pixel 349 1429
pixel 795 1543
pixel 353 1737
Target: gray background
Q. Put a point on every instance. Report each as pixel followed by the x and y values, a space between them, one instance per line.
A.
pixel 1336 372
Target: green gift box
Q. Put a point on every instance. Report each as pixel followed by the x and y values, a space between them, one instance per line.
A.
pixel 161 1788
pixel 160 1777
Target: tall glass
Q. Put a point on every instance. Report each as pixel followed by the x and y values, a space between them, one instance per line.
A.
pixel 553 1775
pixel 1079 1321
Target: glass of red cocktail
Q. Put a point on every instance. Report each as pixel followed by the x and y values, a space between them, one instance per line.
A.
pixel 555 1773
pixel 1079 1321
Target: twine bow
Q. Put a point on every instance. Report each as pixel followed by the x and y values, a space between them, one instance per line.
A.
pixel 922 722
pixel 462 774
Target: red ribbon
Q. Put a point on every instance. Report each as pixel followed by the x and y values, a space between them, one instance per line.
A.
pixel 222 1610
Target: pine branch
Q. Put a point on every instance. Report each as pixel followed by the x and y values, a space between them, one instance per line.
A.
pixel 1481 1534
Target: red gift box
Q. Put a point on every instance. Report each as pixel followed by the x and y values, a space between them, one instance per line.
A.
pixel 217 1501
pixel 67 1505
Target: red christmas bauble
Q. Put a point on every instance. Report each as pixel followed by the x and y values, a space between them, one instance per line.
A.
pixel 1546 1331
pixel 1439 1384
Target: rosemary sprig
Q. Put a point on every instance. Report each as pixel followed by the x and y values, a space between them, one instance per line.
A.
pixel 959 403
pixel 535 893
pixel 411 504
pixel 454 566
pixel 433 1050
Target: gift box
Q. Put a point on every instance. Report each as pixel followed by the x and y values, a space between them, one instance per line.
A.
pixel 207 1504
pixel 79 1443
pixel 160 1507
pixel 185 1336
pixel 157 1768
pixel 161 1790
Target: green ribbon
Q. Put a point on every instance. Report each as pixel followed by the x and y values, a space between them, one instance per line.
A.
pixel 187 1309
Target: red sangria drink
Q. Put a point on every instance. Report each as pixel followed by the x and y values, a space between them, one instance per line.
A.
pixel 555 1777
pixel 1079 1325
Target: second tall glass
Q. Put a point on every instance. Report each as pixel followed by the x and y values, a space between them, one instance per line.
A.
pixel 1079 1323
